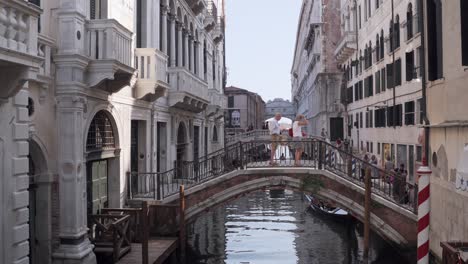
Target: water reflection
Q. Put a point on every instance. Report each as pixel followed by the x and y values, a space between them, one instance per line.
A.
pixel 276 227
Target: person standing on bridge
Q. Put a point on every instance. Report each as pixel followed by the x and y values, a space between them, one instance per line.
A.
pixel 275 131
pixel 297 137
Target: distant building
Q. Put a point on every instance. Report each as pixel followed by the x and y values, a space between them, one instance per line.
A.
pixel 245 108
pixel 279 105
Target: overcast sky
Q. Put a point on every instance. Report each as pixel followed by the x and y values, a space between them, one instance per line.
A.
pixel 260 39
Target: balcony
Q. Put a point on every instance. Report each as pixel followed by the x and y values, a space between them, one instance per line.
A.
pixel 212 16
pixel 218 103
pixel 18 45
pixel 197 6
pixel 188 92
pixel 109 46
pixel 152 74
pixel 346 46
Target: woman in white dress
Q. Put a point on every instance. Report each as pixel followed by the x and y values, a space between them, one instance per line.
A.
pixel 297 137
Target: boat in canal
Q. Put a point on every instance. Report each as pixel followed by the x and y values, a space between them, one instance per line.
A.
pixel 325 209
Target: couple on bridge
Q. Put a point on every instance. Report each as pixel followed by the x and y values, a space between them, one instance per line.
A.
pixel 275 132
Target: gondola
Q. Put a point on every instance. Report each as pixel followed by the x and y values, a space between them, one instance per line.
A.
pixel 320 207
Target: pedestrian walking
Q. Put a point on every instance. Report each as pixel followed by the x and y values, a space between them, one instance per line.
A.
pixel 297 137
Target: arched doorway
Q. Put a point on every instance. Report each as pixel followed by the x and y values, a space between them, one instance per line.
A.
pixel 181 148
pixel 39 205
pixel 101 161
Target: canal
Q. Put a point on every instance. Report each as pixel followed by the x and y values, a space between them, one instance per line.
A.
pixel 276 226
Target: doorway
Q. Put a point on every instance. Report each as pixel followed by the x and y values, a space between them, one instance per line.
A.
pixel 97 185
pixel 336 128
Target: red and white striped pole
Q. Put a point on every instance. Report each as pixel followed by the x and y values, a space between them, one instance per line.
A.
pixel 424 205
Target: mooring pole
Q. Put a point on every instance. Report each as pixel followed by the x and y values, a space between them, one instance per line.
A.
pixel 424 208
pixel 367 209
pixel 182 224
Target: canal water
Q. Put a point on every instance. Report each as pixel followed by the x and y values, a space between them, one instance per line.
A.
pixel 277 227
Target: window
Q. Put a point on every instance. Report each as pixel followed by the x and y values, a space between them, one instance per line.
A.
pixel 382 83
pixel 378 148
pixel 464 30
pixel 390 75
pixel 371 116
pixel 367 146
pixel 100 133
pixel 231 102
pixel 369 8
pixel 369 55
pixel 382 44
pixel 397 110
pixel 356 92
pixel 409 113
pixel 398 72
pixel 361 94
pixel 380 118
pixel 349 98
pixel 397 32
pixel 434 39
pixel 377 48
pixel 360 120
pixel 215 134
pixel 356 123
pixel 377 82
pixel 367 119
pixel 409 22
pixel 377 2
pixel 372 147
pixel 410 71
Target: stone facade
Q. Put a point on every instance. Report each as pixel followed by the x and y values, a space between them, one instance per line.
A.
pixel 316 78
pixel 278 105
pixel 448 122
pixel 366 54
pixel 93 90
pixel 245 108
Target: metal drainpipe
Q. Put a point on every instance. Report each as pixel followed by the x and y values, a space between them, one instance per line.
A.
pixel 422 60
pixel 392 44
pixel 357 61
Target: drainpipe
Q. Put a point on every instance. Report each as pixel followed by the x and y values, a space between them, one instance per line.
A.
pixel 357 61
pixel 422 60
pixel 392 44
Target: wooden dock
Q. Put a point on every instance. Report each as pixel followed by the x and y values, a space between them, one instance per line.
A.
pixel 159 250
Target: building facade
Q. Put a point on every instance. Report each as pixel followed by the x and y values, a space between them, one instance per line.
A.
pixel 384 109
pixel 244 109
pixel 92 90
pixel 315 76
pixel 279 105
pixel 446 38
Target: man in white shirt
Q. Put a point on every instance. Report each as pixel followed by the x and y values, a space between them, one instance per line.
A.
pixel 275 131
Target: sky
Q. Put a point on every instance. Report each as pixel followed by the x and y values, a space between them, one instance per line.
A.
pixel 260 40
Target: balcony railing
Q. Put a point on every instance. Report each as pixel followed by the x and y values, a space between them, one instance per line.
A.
pixel 152 74
pixel 188 92
pixel 346 46
pixel 109 40
pixel 109 46
pixel 182 80
pixel 18 26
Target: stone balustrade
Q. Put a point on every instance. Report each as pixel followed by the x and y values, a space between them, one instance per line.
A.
pixel 152 80
pixel 109 40
pixel 346 46
pixel 184 81
pixel 18 26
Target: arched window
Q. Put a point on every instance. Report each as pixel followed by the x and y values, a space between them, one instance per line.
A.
pixel 382 44
pixel 377 48
pixel 409 21
pixel 100 133
pixel 366 57
pixel 391 36
pixel 397 31
pixel 369 54
pixel 215 134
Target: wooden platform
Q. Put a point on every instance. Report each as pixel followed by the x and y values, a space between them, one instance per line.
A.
pixel 159 250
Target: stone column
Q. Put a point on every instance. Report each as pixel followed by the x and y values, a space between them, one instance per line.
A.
pixel 173 40
pixel 180 38
pixel 75 246
pixel 192 54
pixel 164 10
pixel 186 49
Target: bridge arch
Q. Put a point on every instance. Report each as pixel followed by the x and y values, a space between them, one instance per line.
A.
pixel 391 222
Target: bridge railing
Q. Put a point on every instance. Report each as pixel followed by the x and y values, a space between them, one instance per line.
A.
pixel 314 153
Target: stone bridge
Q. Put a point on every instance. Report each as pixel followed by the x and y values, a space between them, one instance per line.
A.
pixel 326 171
